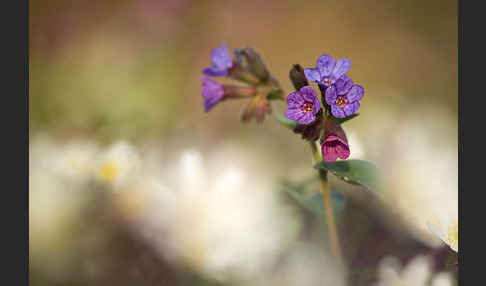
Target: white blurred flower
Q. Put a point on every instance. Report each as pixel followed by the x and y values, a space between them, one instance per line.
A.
pixel 221 221
pixel 119 165
pixel 445 228
pixel 416 273
pixel 420 169
pixel 307 265
pixel 75 161
pixel 54 210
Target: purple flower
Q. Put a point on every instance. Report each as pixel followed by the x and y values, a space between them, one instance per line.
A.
pixel 327 71
pixel 212 92
pixel 303 105
pixel 221 62
pixel 334 143
pixel 334 147
pixel 343 97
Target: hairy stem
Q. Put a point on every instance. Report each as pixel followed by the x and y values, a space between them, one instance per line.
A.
pixel 326 198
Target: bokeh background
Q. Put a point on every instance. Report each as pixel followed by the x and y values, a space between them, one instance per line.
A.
pixel 132 183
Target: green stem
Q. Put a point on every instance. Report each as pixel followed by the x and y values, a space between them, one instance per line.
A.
pixel 326 198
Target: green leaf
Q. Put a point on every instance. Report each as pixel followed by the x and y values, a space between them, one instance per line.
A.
pixel 356 172
pixel 342 120
pixel 286 122
pixel 313 202
pixel 275 95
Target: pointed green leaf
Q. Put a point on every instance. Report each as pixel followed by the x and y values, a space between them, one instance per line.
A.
pixel 342 120
pixel 354 171
pixel 275 95
pixel 286 122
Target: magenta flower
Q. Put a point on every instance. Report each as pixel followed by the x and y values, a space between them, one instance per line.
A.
pixel 334 147
pixel 334 143
pixel 343 97
pixel 212 92
pixel 327 71
pixel 303 105
pixel 221 62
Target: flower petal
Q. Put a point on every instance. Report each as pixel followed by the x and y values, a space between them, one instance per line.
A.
pixel 307 118
pixel 329 154
pixel 342 66
pixel 295 100
pixel 221 57
pixel 212 92
pixel 325 65
pixel 294 113
pixel 215 71
pixel 355 93
pixel 211 89
pixel 337 111
pixel 316 106
pixel 312 74
pixel 342 151
pixel 331 95
pixel 308 93
pixel 343 85
pixel 351 108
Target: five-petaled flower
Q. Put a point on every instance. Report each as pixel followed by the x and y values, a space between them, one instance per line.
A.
pixel 334 142
pixel 327 70
pixel 343 97
pixel 221 62
pixel 212 93
pixel 303 105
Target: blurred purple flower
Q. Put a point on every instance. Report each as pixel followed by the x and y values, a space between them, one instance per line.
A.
pixel 303 105
pixel 327 70
pixel 221 62
pixel 212 92
pixel 343 97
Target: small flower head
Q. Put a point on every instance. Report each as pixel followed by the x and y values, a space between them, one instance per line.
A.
pixel 334 143
pixel 221 62
pixel 212 92
pixel 327 70
pixel 343 97
pixel 303 105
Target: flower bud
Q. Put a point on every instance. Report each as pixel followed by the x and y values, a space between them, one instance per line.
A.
pixel 334 143
pixel 255 64
pixel 257 108
pixel 297 77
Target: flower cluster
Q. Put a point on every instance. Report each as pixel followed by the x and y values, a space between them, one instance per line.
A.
pixel 340 102
pixel 261 87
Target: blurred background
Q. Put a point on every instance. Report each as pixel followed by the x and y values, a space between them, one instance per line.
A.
pixel 132 183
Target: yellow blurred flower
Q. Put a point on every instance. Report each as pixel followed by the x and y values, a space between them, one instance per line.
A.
pixel 118 166
pixel 446 230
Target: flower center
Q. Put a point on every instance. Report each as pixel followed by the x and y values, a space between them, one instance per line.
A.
pixel 327 81
pixel 341 101
pixel 109 171
pixel 307 107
